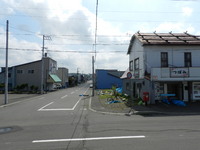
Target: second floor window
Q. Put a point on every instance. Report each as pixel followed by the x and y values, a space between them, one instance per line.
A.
pixel 30 71
pixel 188 59
pixel 136 64
pixel 131 65
pixel 19 71
pixel 164 59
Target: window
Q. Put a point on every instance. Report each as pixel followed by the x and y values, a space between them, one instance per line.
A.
pixel 136 64
pixel 9 75
pixel 19 71
pixel 131 65
pixel 188 59
pixel 30 71
pixel 127 86
pixel 164 59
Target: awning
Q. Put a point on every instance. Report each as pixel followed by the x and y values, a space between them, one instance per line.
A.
pixel 55 78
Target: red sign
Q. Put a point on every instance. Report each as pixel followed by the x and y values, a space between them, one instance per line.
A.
pixel 129 75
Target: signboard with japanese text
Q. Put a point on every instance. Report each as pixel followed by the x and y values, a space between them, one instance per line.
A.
pixel 179 72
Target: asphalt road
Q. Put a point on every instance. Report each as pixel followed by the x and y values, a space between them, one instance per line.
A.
pixel 63 120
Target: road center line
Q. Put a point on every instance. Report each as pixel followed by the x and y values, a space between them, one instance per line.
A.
pixel 64 96
pixel 89 139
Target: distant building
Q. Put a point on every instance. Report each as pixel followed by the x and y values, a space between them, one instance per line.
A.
pixel 31 75
pixel 63 75
pixel 105 79
pixel 164 63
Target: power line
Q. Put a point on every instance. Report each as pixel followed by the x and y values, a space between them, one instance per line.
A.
pixel 67 51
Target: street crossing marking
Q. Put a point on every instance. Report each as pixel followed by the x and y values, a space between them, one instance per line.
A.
pixel 88 139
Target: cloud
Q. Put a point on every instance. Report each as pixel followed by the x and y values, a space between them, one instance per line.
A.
pixel 72 28
pixel 174 27
pixel 187 11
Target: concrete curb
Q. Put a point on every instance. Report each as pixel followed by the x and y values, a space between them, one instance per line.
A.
pixel 145 112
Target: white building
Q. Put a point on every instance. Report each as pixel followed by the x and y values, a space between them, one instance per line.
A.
pixel 164 63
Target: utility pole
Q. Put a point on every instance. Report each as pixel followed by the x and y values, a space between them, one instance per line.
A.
pixel 92 75
pixel 44 37
pixel 42 70
pixel 6 71
pixel 95 44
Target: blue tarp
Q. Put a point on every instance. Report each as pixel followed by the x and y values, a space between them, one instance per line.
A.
pixel 119 90
pixel 178 102
pixel 174 101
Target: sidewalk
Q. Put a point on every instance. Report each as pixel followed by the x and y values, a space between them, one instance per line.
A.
pixel 12 98
pixel 192 108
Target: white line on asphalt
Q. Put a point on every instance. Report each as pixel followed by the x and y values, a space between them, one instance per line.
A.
pixel 55 109
pixel 89 139
pixel 42 108
pixel 59 109
pixel 64 96
pixel 72 92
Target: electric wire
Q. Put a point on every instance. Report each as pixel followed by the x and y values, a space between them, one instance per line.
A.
pixel 64 51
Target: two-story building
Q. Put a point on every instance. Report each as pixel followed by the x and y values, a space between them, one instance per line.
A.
pixel 164 63
pixel 31 75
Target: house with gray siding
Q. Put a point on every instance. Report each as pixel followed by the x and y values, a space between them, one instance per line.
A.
pixel 31 74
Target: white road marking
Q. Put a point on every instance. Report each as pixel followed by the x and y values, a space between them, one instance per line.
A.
pixel 72 92
pixel 42 108
pixel 60 109
pixel 64 96
pixel 89 139
pixel 55 109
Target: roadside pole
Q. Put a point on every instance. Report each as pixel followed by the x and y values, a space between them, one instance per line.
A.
pixel 6 71
pixel 92 75
pixel 42 68
pixel 44 37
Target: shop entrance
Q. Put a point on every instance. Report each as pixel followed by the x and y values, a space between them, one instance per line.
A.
pixel 175 88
